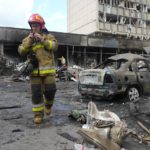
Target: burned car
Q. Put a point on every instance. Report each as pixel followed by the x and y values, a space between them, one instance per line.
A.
pixel 127 74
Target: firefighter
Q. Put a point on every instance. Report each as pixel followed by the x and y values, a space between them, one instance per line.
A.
pixel 43 86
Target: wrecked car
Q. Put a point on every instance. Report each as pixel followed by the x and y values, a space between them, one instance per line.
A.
pixel 127 74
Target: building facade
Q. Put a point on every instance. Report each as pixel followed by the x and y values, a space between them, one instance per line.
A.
pixel 129 18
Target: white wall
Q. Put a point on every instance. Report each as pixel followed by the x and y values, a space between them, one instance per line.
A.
pixel 82 16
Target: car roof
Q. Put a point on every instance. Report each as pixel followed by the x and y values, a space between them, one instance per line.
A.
pixel 127 56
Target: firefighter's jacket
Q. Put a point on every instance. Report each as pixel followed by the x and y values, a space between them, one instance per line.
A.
pixel 44 52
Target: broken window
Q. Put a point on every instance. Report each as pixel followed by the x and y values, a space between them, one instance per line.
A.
pixel 101 2
pixel 131 5
pixel 116 2
pixel 127 4
pixel 144 8
pixel 107 1
pixel 102 17
pixel 133 21
pixel 141 23
pixel 108 78
pixel 112 18
pixel 121 63
pixel 113 64
pixel 122 20
pixel 148 24
pixel 138 7
pixel 113 3
pixel 121 4
pixel 142 65
pixel 148 10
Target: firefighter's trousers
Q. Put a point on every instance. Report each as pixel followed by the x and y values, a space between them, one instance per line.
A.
pixel 43 89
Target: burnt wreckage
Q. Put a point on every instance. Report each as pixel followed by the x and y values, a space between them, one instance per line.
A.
pixel 127 74
pixel 83 50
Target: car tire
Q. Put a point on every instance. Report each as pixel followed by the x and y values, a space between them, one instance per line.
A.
pixel 133 94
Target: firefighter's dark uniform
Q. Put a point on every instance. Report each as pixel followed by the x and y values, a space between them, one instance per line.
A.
pixel 43 86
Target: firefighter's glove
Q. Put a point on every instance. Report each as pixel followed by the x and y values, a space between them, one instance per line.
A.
pixel 38 37
pixel 31 35
pixel 31 38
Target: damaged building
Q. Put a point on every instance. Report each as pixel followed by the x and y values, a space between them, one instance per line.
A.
pixel 115 21
pixel 129 18
pixel 83 50
pixel 97 29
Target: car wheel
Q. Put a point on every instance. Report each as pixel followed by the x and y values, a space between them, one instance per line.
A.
pixel 133 94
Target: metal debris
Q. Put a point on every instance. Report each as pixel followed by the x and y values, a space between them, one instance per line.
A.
pixel 68 137
pixel 103 128
pixel 6 66
pixel 143 127
pixel 10 107
pixel 78 115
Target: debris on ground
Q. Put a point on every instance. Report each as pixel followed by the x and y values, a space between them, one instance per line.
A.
pixel 10 107
pixel 74 70
pixel 103 128
pixel 141 106
pixel 59 132
pixel 143 127
pixel 78 115
pixel 19 78
pixel 69 73
pixel 141 111
pixel 141 138
pixel 6 66
pixel 68 136
pixel 83 147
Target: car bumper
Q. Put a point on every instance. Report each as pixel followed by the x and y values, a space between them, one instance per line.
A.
pixel 97 92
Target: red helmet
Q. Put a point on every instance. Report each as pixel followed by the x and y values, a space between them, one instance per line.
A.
pixel 36 18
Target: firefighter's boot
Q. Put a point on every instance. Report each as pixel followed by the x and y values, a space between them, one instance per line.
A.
pixel 38 114
pixel 48 106
pixel 38 119
pixel 47 110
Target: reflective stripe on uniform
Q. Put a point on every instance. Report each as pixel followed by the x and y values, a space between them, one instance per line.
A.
pixel 50 44
pixel 37 46
pixel 38 109
pixel 43 72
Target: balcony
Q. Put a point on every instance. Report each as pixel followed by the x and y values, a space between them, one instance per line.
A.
pixel 123 29
pixel 145 2
pixel 118 11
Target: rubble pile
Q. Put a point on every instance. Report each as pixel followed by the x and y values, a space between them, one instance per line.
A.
pixel 141 111
pixel 107 131
pixel 6 66
pixel 103 128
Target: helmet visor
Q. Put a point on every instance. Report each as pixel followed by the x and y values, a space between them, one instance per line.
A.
pixel 35 25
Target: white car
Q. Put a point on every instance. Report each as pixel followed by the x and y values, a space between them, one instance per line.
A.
pixel 127 74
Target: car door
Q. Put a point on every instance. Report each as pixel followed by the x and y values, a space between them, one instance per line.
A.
pixel 143 75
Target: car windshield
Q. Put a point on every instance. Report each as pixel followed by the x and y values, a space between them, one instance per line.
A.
pixel 112 64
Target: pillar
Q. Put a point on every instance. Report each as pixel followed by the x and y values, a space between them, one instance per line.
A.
pixel 67 55
pixel 1 49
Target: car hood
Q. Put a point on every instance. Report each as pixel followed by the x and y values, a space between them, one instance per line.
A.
pixel 92 76
pixel 127 56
